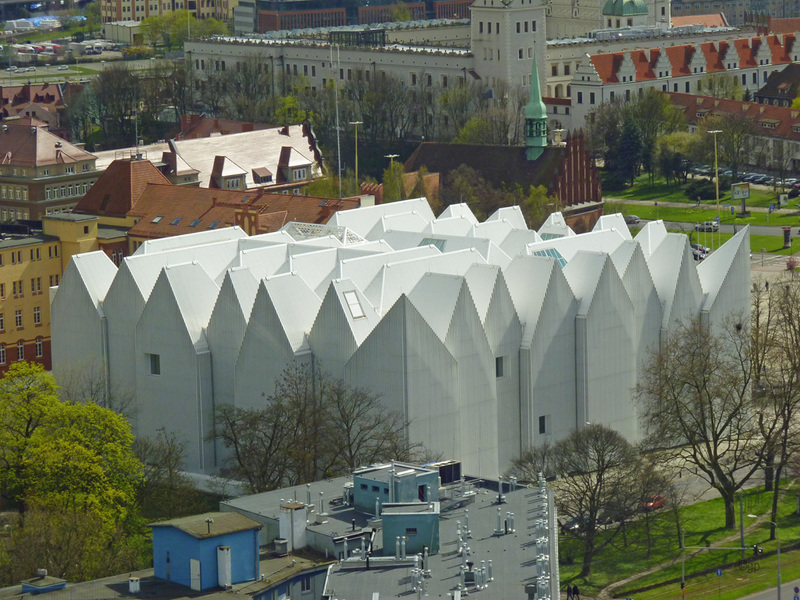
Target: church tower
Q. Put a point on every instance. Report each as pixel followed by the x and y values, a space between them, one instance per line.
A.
pixel 535 119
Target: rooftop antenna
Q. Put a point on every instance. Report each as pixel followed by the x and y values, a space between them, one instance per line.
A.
pixel 209 521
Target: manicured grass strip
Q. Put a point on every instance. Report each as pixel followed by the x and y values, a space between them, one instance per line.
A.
pixel 628 556
pixel 691 215
pixel 642 191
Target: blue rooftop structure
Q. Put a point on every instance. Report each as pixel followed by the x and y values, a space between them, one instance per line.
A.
pixel 206 551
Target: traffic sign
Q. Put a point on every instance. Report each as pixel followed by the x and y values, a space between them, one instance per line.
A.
pixel 796 597
pixel 732 211
pixel 719 572
pixel 796 590
pixel 717 219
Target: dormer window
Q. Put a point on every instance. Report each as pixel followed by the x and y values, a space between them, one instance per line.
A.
pixel 299 174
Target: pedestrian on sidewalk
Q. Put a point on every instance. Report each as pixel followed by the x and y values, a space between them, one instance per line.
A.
pixel 569 592
pixel 576 593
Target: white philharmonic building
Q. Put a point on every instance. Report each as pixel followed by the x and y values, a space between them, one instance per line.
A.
pixel 488 337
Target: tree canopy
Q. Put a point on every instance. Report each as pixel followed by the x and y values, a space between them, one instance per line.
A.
pixel 70 470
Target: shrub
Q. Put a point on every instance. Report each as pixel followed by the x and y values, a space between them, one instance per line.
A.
pixel 794 193
pixel 701 188
pixel 791 263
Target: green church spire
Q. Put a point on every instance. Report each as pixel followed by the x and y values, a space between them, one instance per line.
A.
pixel 535 119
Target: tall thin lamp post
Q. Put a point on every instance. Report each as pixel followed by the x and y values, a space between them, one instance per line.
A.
pixel 778 542
pixel 356 124
pixel 716 181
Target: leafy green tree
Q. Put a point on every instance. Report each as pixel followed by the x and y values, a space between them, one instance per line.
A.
pixel 71 469
pixel 81 458
pixel 393 189
pixel 736 141
pixel 720 85
pixel 537 205
pixel 28 395
pixel 675 151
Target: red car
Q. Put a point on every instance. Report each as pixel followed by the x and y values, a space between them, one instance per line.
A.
pixel 654 503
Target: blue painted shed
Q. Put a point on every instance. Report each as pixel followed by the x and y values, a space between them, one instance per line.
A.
pixel 206 551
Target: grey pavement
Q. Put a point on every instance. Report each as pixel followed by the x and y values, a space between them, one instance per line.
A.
pixel 787 592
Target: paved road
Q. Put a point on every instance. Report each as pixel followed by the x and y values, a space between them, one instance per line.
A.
pixel 787 591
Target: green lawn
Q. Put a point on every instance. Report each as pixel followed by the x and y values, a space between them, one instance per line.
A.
pixel 642 191
pixel 691 214
pixel 702 523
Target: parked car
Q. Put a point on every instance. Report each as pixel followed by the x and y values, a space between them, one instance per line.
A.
pixel 707 226
pixel 701 248
pixel 631 219
pixel 63 67
pixel 654 503
pixel 12 68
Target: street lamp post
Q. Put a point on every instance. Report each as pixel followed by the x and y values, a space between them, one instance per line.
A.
pixel 778 542
pixel 356 124
pixel 716 180
pixel 683 564
pixel 391 157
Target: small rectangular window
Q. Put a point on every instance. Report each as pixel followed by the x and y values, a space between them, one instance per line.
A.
pixel 542 424
pixel 411 531
pixel 37 315
pixel 498 366
pixel 155 364
pixel 18 319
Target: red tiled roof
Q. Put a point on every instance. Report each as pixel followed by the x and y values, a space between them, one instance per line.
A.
pixel 713 59
pixel 779 51
pixel 557 101
pixel 198 126
pixel 717 56
pixel 786 119
pixel 607 66
pixel 745 53
pixel 788 25
pixel 185 209
pixel 679 57
pixel 712 20
pixel 26 142
pixel 644 68
pixel 116 191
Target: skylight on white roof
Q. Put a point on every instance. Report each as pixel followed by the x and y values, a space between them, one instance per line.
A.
pixel 552 253
pixel 433 242
pixel 354 305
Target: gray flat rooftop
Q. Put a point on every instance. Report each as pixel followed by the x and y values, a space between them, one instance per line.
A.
pixel 513 555
pixel 71 216
pixel 18 241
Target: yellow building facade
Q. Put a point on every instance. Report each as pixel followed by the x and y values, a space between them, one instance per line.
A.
pixel 30 264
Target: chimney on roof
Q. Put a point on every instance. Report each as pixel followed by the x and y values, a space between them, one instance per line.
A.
pixel 284 130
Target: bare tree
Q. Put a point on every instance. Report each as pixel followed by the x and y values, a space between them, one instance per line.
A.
pixel 694 397
pixel 167 491
pixel 596 467
pixel 532 462
pixel 776 387
pixel 313 426
pixel 88 382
